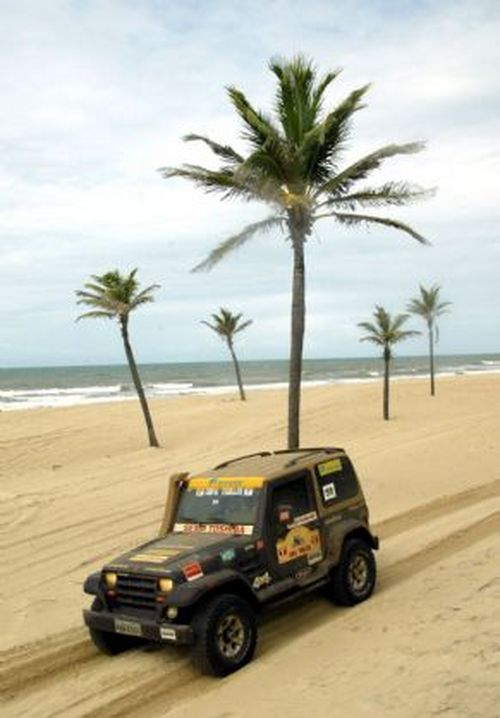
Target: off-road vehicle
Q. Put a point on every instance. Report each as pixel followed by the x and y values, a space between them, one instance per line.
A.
pixel 234 539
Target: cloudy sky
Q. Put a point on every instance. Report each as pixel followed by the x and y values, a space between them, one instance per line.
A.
pixel 96 95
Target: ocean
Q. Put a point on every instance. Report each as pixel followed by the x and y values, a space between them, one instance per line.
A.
pixel 32 387
pixel 35 387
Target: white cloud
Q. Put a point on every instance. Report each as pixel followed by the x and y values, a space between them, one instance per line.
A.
pixel 97 97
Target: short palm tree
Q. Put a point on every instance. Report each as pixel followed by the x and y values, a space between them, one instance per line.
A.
pixel 429 306
pixel 115 296
pixel 385 331
pixel 226 326
pixel 293 165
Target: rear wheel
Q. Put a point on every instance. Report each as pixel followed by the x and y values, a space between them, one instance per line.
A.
pixel 353 579
pixel 111 643
pixel 225 632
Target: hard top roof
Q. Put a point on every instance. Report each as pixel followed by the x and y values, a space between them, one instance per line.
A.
pixel 271 464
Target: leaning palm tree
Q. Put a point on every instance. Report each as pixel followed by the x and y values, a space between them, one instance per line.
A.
pixel 429 306
pixel 293 164
pixel 114 296
pixel 226 325
pixel 385 331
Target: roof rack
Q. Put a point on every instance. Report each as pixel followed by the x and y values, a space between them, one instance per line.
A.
pixel 240 458
pixel 307 451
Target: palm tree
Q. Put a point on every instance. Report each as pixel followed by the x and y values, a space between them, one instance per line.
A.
pixel 293 165
pixel 114 296
pixel 429 306
pixel 386 331
pixel 226 325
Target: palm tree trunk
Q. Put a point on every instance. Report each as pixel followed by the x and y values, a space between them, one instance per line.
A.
pixel 237 370
pixel 297 339
pixel 153 441
pixel 431 359
pixel 387 360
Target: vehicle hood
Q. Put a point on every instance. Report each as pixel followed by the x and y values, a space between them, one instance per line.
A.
pixel 175 550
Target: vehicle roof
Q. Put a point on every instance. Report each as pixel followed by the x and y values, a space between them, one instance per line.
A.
pixel 271 464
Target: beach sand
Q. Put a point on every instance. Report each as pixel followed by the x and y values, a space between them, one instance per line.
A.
pixel 78 486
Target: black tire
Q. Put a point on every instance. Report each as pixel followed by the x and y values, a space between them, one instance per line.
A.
pixel 111 643
pixel 354 577
pixel 225 632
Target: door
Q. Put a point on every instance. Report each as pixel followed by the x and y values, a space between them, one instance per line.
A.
pixel 295 541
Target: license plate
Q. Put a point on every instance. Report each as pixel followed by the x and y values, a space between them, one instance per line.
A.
pixel 129 628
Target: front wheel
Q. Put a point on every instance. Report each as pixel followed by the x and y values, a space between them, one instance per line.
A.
pixel 353 579
pixel 225 632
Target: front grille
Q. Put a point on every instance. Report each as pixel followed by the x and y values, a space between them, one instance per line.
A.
pixel 136 591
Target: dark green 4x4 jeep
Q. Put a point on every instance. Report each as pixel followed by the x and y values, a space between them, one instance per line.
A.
pixel 248 533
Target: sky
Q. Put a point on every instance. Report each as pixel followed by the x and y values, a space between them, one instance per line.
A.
pixel 97 95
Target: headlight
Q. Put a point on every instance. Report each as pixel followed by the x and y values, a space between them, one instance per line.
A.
pixel 110 579
pixel 165 584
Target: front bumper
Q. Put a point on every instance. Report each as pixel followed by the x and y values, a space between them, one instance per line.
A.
pixel 149 630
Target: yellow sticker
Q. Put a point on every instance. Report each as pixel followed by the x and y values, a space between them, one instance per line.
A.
pixel 330 467
pixel 156 556
pixel 227 482
pixel 299 541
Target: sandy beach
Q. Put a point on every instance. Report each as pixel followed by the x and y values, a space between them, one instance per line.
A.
pixel 78 486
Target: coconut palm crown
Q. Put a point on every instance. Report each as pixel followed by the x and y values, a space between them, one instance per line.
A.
pixel 293 164
pixel 429 306
pixel 226 325
pixel 114 296
pixel 385 331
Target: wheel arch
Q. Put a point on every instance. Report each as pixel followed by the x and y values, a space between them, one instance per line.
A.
pixel 362 533
pixel 235 587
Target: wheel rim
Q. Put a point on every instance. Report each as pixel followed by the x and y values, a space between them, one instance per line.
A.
pixel 230 635
pixel 358 573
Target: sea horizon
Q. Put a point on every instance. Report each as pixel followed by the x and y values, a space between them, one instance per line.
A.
pixel 68 385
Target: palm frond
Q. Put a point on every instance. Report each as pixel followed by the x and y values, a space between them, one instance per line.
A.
pixel 294 96
pixel 386 330
pixel 359 170
pixel 225 151
pixel 96 315
pixel 243 326
pixel 145 296
pixel 237 241
pixel 428 305
pixel 209 180
pixel 398 321
pixel 226 324
pixel 390 193
pixel 326 140
pixel 356 219
pixel 258 127
pixel 113 294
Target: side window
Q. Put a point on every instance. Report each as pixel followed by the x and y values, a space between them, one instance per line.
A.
pixel 295 494
pixel 337 480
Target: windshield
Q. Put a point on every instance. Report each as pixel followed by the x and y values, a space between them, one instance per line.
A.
pixel 221 505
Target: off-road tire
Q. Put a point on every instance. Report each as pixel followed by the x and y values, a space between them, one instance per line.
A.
pixel 225 631
pixel 111 643
pixel 354 577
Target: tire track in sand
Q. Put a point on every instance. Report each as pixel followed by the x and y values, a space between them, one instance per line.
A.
pixel 37 665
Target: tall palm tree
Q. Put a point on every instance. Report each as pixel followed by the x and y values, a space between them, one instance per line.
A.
pixel 226 325
pixel 293 164
pixel 429 306
pixel 115 296
pixel 385 331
